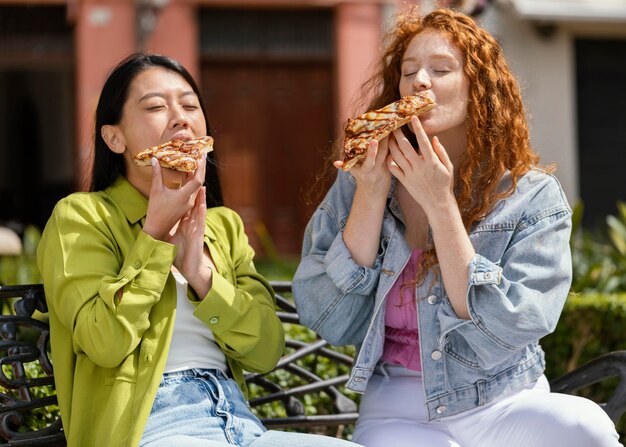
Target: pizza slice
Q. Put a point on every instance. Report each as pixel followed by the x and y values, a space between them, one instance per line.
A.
pixel 379 123
pixel 181 155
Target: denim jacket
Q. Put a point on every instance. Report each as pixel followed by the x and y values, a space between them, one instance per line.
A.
pixel 518 282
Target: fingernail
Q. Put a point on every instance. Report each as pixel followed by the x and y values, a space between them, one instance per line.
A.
pixel 153 161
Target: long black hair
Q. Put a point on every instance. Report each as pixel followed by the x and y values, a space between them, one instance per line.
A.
pixel 108 165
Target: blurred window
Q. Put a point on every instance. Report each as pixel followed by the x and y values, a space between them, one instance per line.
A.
pixel 305 33
pixel 34 31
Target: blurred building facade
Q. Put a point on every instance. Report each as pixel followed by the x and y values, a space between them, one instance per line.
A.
pixel 280 77
pixel 570 59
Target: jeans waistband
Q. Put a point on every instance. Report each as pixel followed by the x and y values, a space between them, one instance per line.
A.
pixel 195 372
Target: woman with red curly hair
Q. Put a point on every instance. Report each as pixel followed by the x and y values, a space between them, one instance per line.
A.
pixel 444 256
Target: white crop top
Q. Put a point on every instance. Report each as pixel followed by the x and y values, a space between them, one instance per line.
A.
pixel 193 344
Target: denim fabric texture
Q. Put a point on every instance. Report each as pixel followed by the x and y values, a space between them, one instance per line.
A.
pixel 204 408
pixel 518 282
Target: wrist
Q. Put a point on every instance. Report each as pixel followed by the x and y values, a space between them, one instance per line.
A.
pixel 372 193
pixel 201 282
pixel 442 209
pixel 154 233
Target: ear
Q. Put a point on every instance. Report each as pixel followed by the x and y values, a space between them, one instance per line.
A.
pixel 114 138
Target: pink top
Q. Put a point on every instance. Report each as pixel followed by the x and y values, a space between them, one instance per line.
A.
pixel 401 331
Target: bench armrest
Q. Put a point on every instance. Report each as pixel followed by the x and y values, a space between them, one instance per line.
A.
pixel 597 370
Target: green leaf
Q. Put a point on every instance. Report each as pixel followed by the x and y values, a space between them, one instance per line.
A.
pixel 617 233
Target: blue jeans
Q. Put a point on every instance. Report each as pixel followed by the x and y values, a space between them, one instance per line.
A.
pixel 204 408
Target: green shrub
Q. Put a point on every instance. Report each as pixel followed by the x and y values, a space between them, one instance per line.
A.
pixel 317 403
pixel 591 325
pixel 314 403
pixel 39 417
pixel 599 254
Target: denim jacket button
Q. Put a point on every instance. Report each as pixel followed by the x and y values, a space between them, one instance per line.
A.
pixel 441 409
pixel 359 379
pixel 487 275
pixel 435 355
pixel 432 299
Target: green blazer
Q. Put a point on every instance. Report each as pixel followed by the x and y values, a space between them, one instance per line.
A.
pixel 112 303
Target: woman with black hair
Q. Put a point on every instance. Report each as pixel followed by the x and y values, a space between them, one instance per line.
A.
pixel 155 304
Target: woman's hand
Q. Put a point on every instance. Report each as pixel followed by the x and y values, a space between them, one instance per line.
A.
pixel 428 176
pixel 372 175
pixel 191 260
pixel 167 206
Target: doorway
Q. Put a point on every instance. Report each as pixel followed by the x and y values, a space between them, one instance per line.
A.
pixel 36 112
pixel 270 104
pixel 601 76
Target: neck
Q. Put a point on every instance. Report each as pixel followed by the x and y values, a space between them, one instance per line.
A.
pixel 455 144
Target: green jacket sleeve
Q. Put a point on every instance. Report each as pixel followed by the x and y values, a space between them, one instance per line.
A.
pixel 101 279
pixel 241 311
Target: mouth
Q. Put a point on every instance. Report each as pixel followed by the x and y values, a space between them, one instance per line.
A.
pixel 181 136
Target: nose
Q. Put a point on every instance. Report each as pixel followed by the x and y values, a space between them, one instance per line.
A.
pixel 421 81
pixel 179 118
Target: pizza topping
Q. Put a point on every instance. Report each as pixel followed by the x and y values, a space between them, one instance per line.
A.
pixel 181 155
pixel 379 123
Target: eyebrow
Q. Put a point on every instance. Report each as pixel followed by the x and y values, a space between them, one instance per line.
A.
pixel 161 95
pixel 434 56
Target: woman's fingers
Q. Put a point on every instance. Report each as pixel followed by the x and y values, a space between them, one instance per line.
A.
pixel 200 208
pixel 405 146
pixel 372 158
pixel 194 183
pixel 399 154
pixel 426 150
pixel 383 150
pixel 168 206
pixel 441 153
pixel 196 180
pixel 372 152
pixel 157 176
pixel 195 216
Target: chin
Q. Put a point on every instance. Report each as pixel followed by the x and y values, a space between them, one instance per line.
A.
pixel 429 127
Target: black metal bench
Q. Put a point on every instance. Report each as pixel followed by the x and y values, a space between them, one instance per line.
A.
pixel 24 340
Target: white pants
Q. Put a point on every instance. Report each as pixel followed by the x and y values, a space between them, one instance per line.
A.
pixel 393 414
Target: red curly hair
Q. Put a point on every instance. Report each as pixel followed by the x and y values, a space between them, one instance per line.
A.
pixel 497 130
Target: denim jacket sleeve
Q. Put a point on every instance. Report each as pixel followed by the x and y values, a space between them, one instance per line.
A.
pixel 516 299
pixel 334 295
